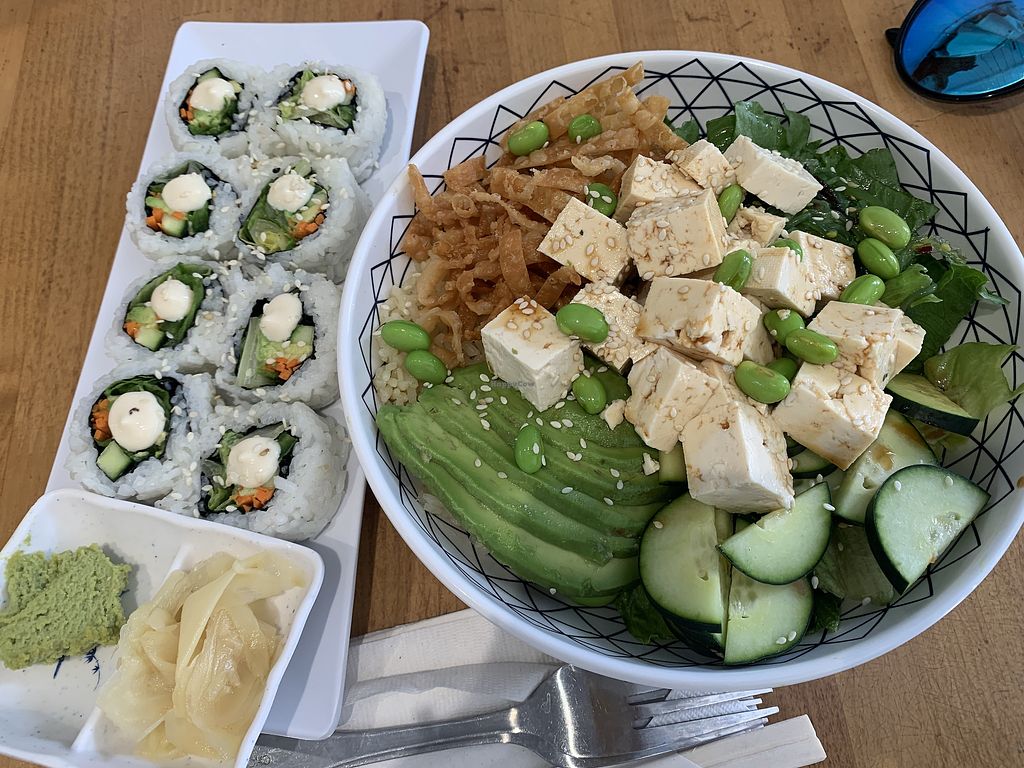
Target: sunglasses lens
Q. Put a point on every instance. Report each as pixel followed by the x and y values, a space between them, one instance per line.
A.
pixel 965 49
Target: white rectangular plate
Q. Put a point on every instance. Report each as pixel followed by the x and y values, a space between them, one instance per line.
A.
pixel 308 704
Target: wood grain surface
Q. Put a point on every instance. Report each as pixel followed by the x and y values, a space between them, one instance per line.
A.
pixel 78 83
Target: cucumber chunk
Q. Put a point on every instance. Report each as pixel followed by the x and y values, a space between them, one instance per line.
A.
pixel 786 544
pixel 765 619
pixel 113 461
pixel 898 445
pixel 680 565
pixel 918 398
pixel 673 466
pixel 849 570
pixel 173 226
pixel 916 514
pixel 808 464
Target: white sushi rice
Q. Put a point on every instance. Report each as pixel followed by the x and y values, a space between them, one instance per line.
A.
pixel 217 241
pixel 303 502
pixel 315 382
pixel 329 249
pixel 187 356
pixel 230 144
pixel 271 135
pixel 152 479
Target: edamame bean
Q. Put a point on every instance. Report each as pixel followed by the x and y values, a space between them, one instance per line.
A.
pixel 729 201
pixel 404 335
pixel 426 366
pixel 885 225
pixel 601 198
pixel 583 127
pixel 529 450
pixel 781 322
pixel 761 383
pixel 530 137
pixel 866 289
pixel 810 346
pixel 878 258
pixel 793 245
pixel 787 366
pixel 590 393
pixel 735 268
pixel 584 321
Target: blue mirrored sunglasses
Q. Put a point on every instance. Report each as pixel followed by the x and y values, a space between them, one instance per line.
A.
pixel 961 50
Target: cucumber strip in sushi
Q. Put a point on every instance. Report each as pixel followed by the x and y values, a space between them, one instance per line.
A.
pixel 273 468
pixel 164 314
pixel 322 110
pixel 278 338
pixel 135 435
pixel 207 107
pixel 185 205
pixel 305 214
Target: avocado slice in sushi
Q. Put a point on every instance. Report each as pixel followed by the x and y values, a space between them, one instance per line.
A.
pixel 322 98
pixel 221 493
pixel 123 443
pixel 211 104
pixel 290 208
pixel 143 321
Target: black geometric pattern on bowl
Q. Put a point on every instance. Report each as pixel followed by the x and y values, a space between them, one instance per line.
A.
pixel 700 93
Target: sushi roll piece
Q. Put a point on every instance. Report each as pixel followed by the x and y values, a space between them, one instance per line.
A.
pixel 165 314
pixel 135 436
pixel 322 110
pixel 302 213
pixel 208 107
pixel 273 468
pixel 278 338
pixel 185 205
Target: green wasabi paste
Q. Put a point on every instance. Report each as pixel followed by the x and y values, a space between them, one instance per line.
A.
pixel 64 605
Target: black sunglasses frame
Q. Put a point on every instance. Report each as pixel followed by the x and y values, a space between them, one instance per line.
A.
pixel 896 37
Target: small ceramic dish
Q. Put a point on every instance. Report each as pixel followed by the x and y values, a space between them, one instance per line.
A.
pixel 48 713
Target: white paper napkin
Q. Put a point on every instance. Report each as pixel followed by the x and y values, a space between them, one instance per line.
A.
pixel 460 664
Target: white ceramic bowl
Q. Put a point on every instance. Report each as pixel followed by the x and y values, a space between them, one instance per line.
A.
pixel 48 713
pixel 701 85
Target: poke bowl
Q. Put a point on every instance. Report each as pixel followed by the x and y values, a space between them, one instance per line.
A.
pixel 699 88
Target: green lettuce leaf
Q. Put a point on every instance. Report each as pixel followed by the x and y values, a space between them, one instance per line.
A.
pixel 641 617
pixel 826 612
pixel 908 286
pixel 688 131
pixel 971 375
pixel 957 291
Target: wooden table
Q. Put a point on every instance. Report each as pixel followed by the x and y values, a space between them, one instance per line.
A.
pixel 78 83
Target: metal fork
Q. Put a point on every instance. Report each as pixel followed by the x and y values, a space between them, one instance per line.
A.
pixel 574 719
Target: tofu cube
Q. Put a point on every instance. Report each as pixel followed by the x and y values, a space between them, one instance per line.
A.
pixel 677 237
pixel 866 338
pixel 835 413
pixel 736 460
pixel 831 264
pixel 780 181
pixel 758 345
pixel 705 164
pixel 622 314
pixel 589 242
pixel 647 180
pixel 667 392
pixel 755 223
pixel 727 391
pixel 909 340
pixel 780 279
pixel 525 348
pixel 699 318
